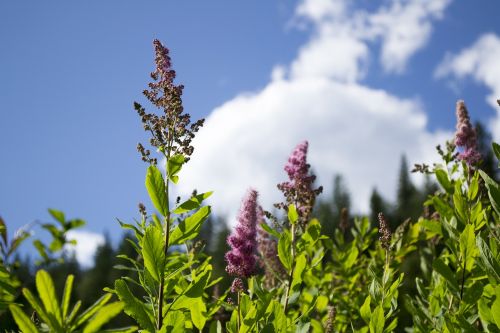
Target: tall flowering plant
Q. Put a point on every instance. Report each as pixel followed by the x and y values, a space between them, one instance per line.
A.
pixel 173 283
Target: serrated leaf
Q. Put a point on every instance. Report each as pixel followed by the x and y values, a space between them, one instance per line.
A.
pixel 300 266
pixel 47 293
pixel 365 310
pixel 377 320
pixel 22 320
pixel 74 223
pixel 491 263
pixel 57 215
pixel 41 249
pixel 129 329
pixel 293 216
pixel 198 314
pixel 3 230
pixel 174 165
pixel 445 271
pixel 104 315
pixel 155 185
pixel 190 227
pixel 87 314
pixel 270 230
pixel 192 204
pixel 493 191
pixel 284 250
pixel 444 181
pixel 495 311
pixel 496 150
pixel 153 251
pixel 35 304
pixel 468 248
pixel 134 307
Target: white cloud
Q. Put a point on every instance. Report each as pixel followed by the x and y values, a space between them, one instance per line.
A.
pixel 87 243
pixel 479 61
pixel 340 45
pixel 405 27
pixel 352 129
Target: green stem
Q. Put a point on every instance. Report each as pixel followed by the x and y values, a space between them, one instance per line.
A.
pixel 290 277
pixel 239 312
pixel 165 249
pixel 463 275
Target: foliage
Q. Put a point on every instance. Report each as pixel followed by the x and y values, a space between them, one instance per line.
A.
pixel 437 270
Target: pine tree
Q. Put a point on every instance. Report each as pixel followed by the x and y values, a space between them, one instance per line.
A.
pixel 484 140
pixel 408 203
pixel 377 205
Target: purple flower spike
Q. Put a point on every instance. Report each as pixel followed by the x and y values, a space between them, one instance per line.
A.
pixel 241 259
pixel 297 166
pixel 465 136
pixel 299 189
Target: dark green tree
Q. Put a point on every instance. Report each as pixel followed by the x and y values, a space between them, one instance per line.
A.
pixel 484 139
pixel 377 205
pixel 408 203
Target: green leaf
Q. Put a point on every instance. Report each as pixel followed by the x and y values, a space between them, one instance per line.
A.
pixel 293 216
pixel 351 257
pixel 174 165
pixel 459 203
pixel 73 312
pixel 300 265
pixel 129 329
pixel 74 223
pixel 377 320
pixel 473 188
pixel 156 189
pixel 174 322
pixel 491 263
pixel 153 251
pixel 445 271
pixel 442 177
pixel 41 249
pixel 192 204
pixel 473 293
pixel 468 248
pixel 35 304
pixel 22 320
pixel 284 250
pixel 47 293
pixel 493 191
pixel 442 207
pixel 495 311
pixel 134 307
pixel 496 150
pixel 365 310
pixel 270 230
pixel 190 227
pixel 57 215
pixel 104 315
pixel 67 294
pixel 198 313
pixel 87 314
pixel 3 230
pixel 215 327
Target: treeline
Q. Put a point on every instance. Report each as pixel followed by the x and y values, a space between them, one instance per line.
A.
pixel 333 212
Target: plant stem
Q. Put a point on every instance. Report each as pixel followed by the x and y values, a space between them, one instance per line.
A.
pixel 239 312
pixel 290 277
pixel 463 275
pixel 165 249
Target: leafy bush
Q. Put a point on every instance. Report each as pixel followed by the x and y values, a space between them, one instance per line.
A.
pixel 287 276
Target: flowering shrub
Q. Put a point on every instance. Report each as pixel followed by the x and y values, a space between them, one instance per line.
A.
pixel 287 275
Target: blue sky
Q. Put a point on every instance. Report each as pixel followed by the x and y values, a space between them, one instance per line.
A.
pixel 69 72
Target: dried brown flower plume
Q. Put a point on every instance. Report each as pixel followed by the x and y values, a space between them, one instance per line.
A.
pixel 172 131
